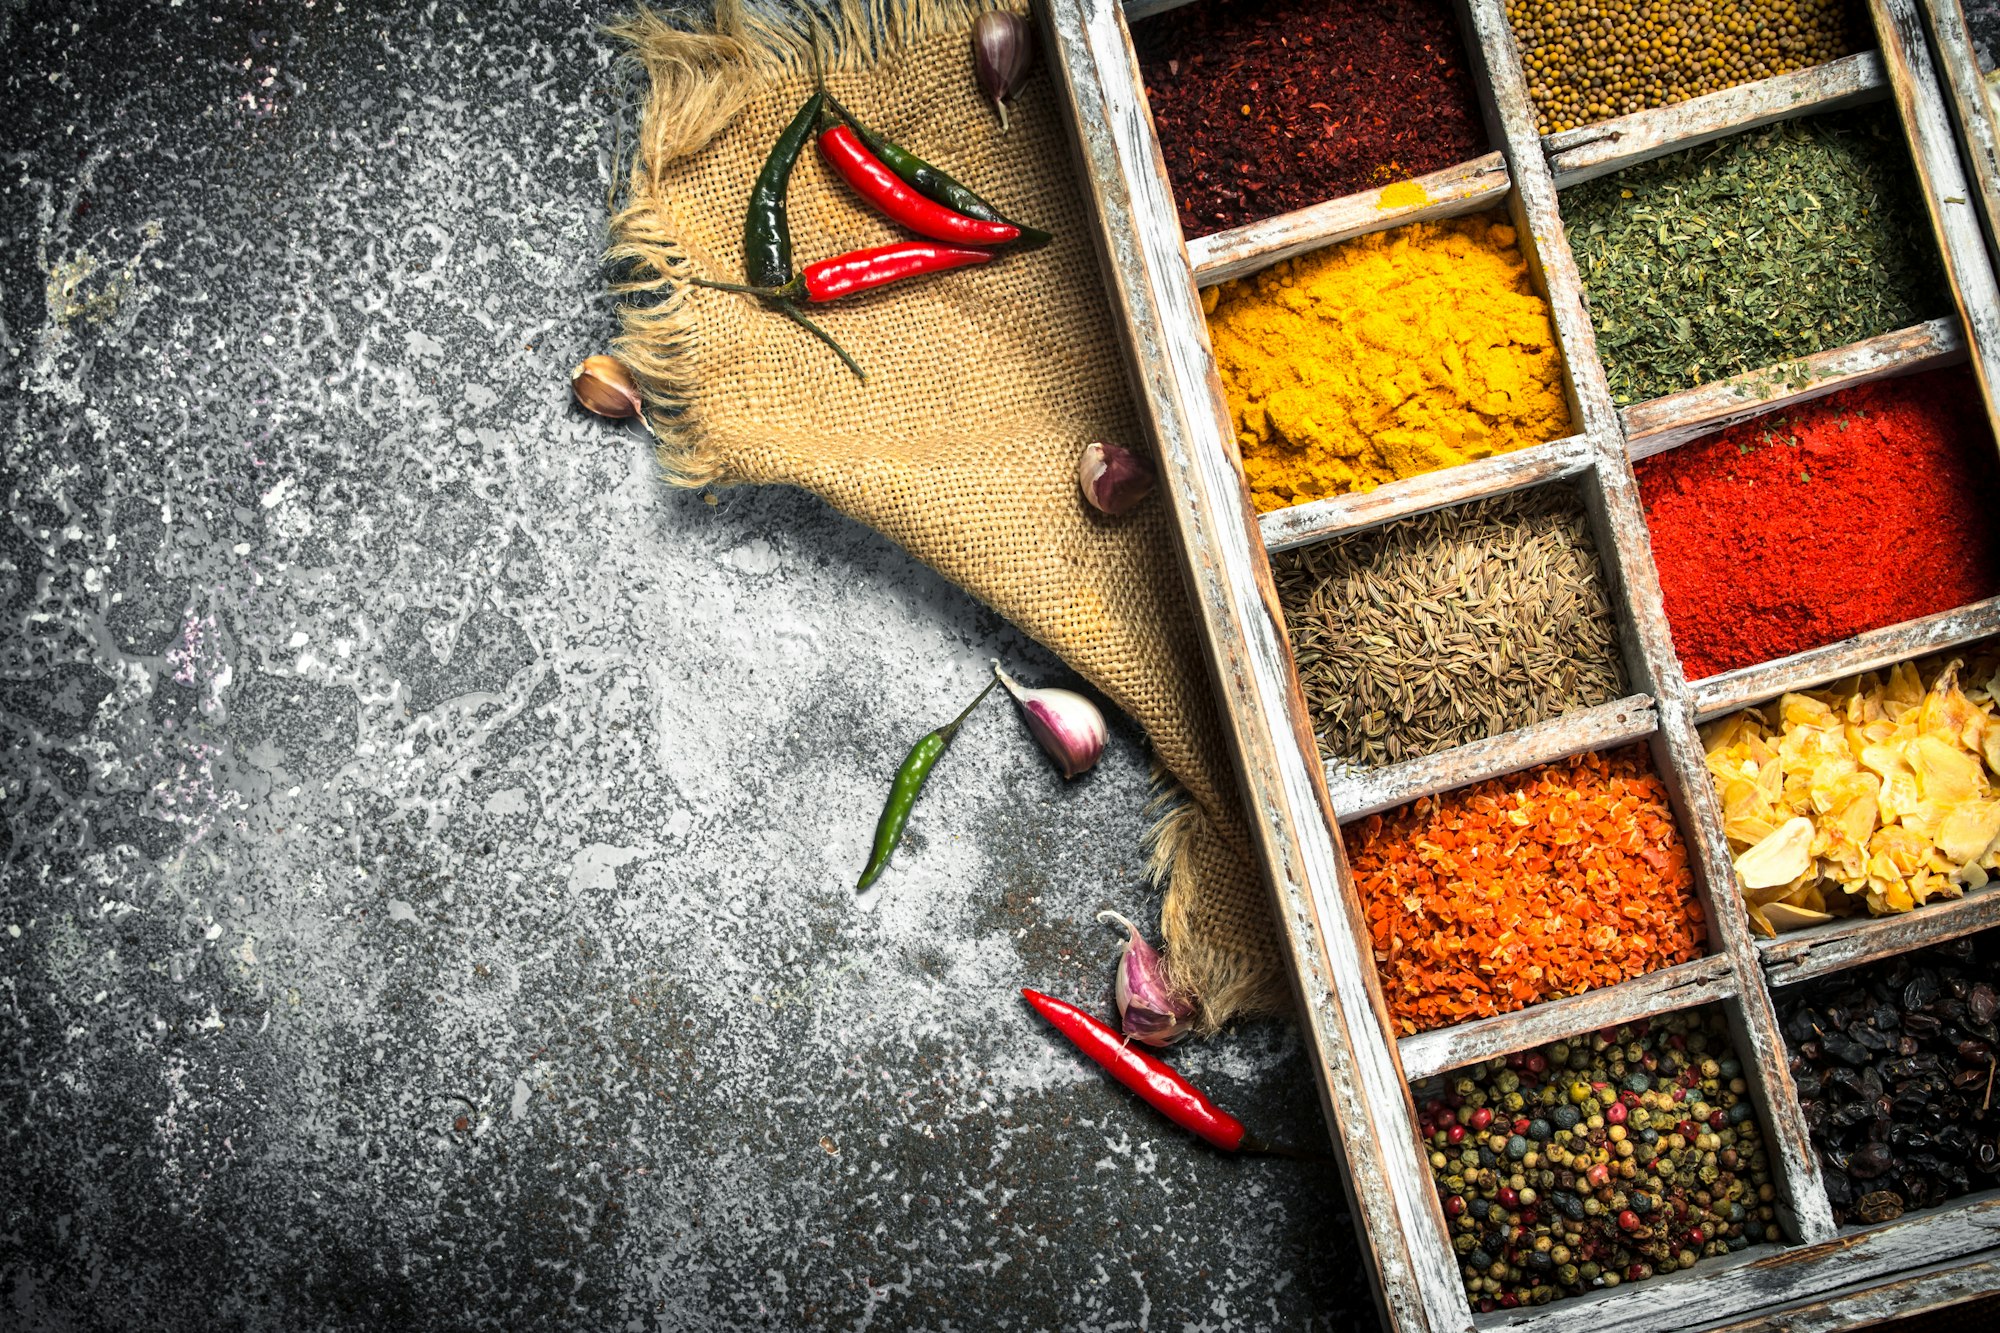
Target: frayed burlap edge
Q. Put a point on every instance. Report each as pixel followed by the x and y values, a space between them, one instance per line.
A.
pixel 1223 983
pixel 698 81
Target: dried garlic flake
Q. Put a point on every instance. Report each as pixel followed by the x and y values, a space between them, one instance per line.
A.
pixel 1781 857
pixel 1876 796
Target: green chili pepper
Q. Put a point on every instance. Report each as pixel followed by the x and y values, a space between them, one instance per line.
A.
pixel 767 232
pixel 910 780
pixel 931 183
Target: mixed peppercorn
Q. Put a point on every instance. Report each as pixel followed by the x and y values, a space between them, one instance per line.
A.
pixel 1895 1069
pixel 1602 1160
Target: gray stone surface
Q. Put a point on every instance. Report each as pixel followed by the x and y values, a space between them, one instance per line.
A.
pixel 1982 25
pixel 426 890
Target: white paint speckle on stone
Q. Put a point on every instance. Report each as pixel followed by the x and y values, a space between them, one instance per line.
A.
pixel 596 866
pixel 756 556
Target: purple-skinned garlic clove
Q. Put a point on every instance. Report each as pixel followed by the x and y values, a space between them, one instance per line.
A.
pixel 1113 478
pixel 1067 725
pixel 1003 51
pixel 1148 1009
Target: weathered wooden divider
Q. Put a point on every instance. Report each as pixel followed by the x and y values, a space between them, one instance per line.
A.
pixel 1822 1277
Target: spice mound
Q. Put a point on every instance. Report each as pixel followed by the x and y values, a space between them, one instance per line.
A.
pixel 1875 796
pixel 1266 106
pixel 1589 64
pixel 1770 246
pixel 1450 627
pixel 1894 1064
pixel 1864 509
pixel 1628 1154
pixel 1551 882
pixel 1391 355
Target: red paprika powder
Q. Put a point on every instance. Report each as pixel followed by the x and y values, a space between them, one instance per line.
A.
pixel 1802 528
pixel 1265 106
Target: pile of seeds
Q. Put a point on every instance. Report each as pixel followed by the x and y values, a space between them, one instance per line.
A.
pixel 1895 1065
pixel 1265 106
pixel 1589 1163
pixel 1764 248
pixel 1550 882
pixel 1450 627
pixel 1587 62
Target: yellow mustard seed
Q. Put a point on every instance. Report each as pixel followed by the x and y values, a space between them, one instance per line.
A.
pixel 1590 62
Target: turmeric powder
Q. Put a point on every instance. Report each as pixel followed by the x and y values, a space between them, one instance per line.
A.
pixel 1398 353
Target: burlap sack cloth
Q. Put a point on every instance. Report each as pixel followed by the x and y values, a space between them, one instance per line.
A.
pixel 983 386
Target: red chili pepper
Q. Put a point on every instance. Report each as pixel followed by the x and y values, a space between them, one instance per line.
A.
pixel 859 270
pixel 884 189
pixel 1154 1081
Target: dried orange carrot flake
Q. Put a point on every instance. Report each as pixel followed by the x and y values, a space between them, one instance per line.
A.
pixel 1546 883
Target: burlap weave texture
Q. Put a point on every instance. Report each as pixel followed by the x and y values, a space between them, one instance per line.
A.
pixel 983 386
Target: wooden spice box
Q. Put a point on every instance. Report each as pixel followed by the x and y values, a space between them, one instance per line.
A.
pixel 1822 1276
pixel 1971 105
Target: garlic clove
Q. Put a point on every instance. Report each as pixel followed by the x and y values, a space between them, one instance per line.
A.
pixel 1148 1009
pixel 1781 857
pixel 603 385
pixel 1067 725
pixel 1113 478
pixel 1003 51
pixel 1784 917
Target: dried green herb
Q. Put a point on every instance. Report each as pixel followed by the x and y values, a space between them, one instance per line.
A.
pixel 1451 627
pixel 1760 249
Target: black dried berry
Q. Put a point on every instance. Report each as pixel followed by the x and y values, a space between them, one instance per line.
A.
pixel 1921 990
pixel 1892 1063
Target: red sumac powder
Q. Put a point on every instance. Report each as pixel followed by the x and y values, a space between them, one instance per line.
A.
pixel 1796 530
pixel 1264 106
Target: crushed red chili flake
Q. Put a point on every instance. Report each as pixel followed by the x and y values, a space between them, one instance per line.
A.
pixel 1551 882
pixel 1266 106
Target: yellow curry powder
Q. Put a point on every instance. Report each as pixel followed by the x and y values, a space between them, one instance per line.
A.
pixel 1403 194
pixel 1394 354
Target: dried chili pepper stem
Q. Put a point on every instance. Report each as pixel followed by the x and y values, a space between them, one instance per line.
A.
pixel 790 291
pixel 911 776
pixel 1155 1081
pixel 1255 1147
pixel 780 299
pixel 797 317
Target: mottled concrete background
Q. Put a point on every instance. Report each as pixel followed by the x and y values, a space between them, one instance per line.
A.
pixel 425 897
pixel 1982 25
